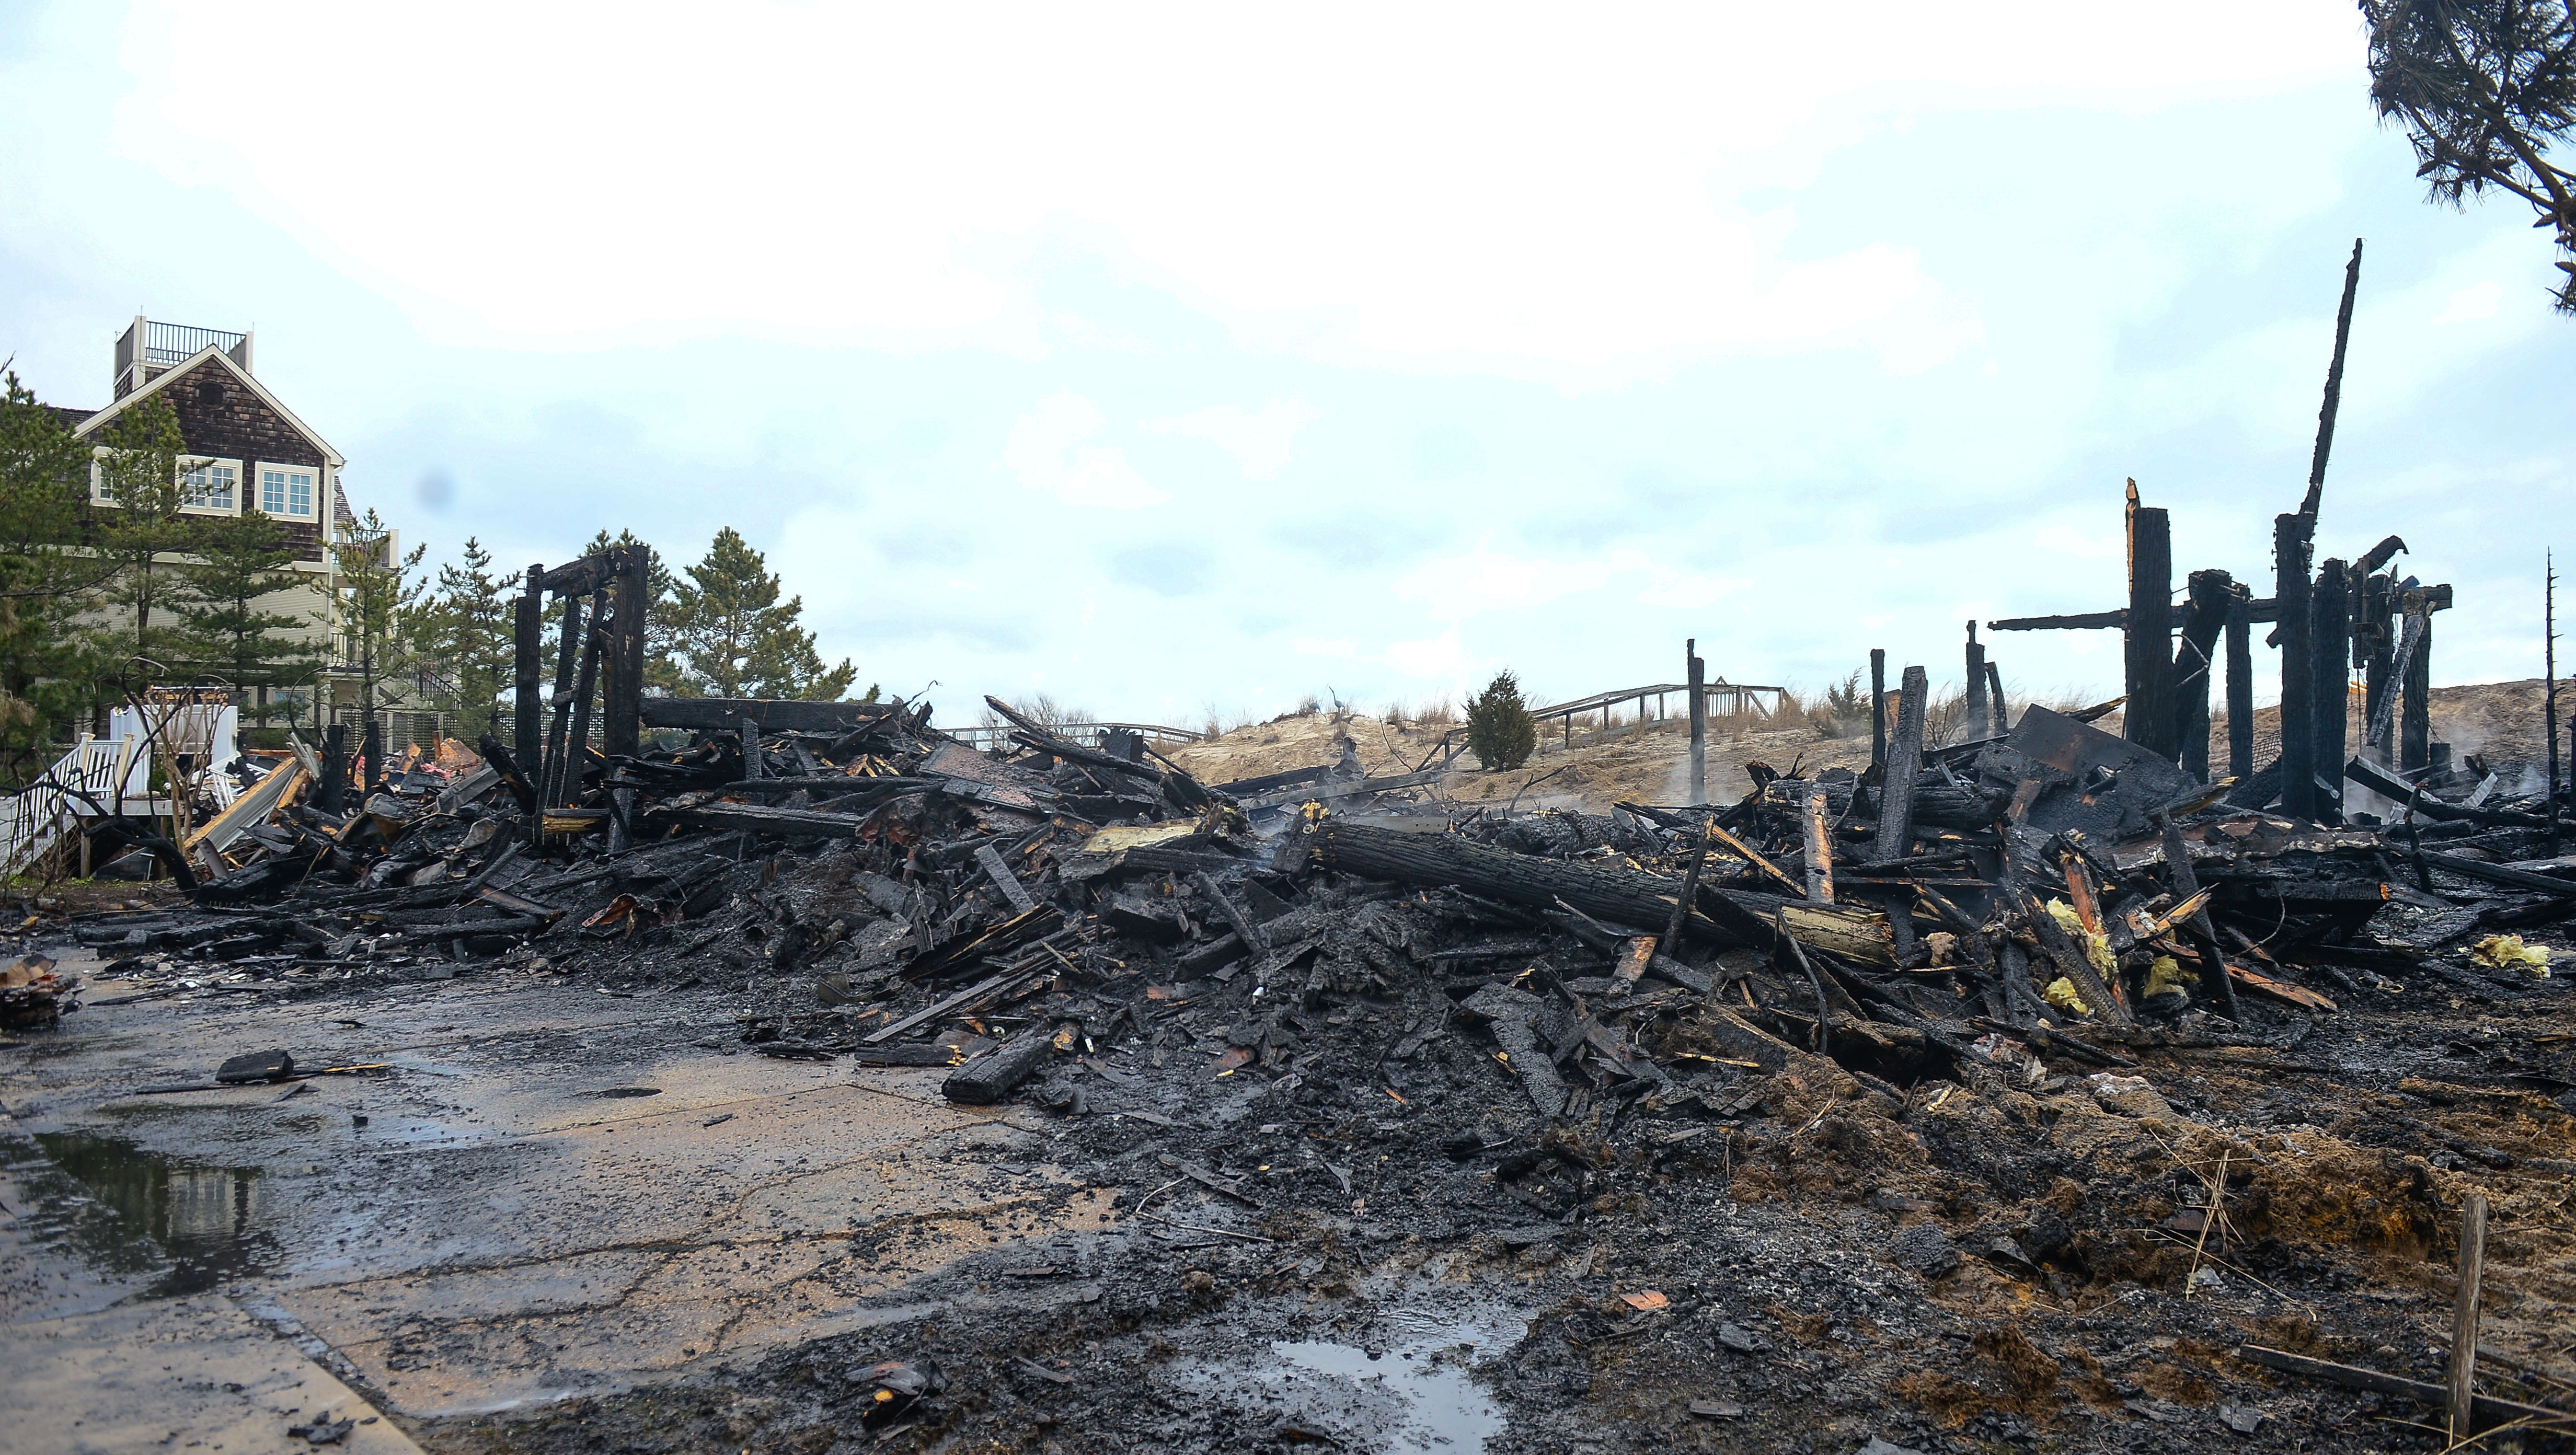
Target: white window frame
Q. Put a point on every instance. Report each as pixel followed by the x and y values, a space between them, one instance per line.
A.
pixel 190 464
pixel 286 489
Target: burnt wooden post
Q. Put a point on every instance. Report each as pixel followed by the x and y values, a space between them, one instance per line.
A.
pixel 2212 594
pixel 1697 672
pixel 335 769
pixel 2415 728
pixel 2240 689
pixel 1904 760
pixel 1975 719
pixel 1878 707
pixel 622 673
pixel 2147 632
pixel 2374 642
pixel 585 687
pixel 371 751
pixel 567 655
pixel 528 710
pixel 1995 697
pixel 2290 594
pixel 2329 649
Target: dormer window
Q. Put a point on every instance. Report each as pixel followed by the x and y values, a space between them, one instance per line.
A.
pixel 208 486
pixel 286 491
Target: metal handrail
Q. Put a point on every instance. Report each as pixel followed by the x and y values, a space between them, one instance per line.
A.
pixel 1080 734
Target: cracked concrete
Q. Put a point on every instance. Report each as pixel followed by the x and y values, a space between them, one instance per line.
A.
pixel 545 1198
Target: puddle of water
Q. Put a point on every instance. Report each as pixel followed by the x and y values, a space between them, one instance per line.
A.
pixel 1414 1396
pixel 1443 1410
pixel 196 1225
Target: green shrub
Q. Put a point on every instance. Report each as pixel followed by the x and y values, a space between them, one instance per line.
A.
pixel 1500 730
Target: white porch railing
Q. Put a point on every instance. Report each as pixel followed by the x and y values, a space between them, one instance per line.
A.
pixel 34 820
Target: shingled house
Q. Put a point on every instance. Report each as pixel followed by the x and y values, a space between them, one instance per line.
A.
pixel 243 448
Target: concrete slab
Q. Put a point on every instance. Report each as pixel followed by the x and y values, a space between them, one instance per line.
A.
pixel 190 1373
pixel 552 1192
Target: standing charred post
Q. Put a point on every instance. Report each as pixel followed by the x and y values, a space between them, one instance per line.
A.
pixel 1698 674
pixel 1904 760
pixel 1995 698
pixel 2329 650
pixel 1878 708
pixel 2291 592
pixel 2415 726
pixel 527 715
pixel 622 668
pixel 1974 723
pixel 2148 630
pixel 2212 595
pixel 2240 688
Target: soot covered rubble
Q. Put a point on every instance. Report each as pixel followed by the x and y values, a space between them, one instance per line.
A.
pixel 1840 1098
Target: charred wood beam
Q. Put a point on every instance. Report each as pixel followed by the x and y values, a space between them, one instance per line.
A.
pixel 2329 653
pixel 726 714
pixel 1904 761
pixel 528 714
pixel 2298 673
pixel 2213 595
pixel 2148 637
pixel 1625 897
pixel 2415 729
pixel 2240 689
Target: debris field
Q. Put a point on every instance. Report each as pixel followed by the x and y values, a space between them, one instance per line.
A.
pixel 2021 1091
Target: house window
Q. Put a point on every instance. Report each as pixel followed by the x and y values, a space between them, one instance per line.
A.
pixel 208 486
pixel 286 492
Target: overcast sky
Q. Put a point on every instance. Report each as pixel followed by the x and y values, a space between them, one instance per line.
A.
pixel 1173 358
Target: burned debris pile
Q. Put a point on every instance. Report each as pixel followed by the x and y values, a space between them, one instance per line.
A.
pixel 885 893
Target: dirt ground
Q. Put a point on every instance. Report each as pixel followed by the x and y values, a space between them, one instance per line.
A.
pixel 2499 721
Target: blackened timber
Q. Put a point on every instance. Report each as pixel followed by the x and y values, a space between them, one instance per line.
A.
pixel 2212 594
pixel 622 673
pixel 989 1078
pixel 2298 674
pixel 725 714
pixel 2415 729
pixel 1976 703
pixel 1696 671
pixel 2329 650
pixel 2148 721
pixel 2240 690
pixel 2259 609
pixel 585 687
pixel 528 708
pixel 1995 697
pixel 1878 708
pixel 1627 897
pixel 567 657
pixel 2334 391
pixel 1904 761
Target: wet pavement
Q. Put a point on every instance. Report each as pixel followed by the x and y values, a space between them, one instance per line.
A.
pixel 548 1191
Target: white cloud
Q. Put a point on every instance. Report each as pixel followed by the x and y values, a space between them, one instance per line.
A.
pixel 1564 200
pixel 1262 443
pixel 1441 658
pixel 1324 647
pixel 2066 540
pixel 2478 300
pixel 1047 452
pixel 1454 588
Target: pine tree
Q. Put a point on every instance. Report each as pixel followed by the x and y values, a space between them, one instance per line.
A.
pixel 2486 90
pixel 733 637
pixel 242 560
pixel 1500 731
pixel 470 625
pixel 47 667
pixel 141 476
pixel 376 608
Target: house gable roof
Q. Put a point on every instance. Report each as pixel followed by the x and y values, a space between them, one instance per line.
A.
pixel 208 435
